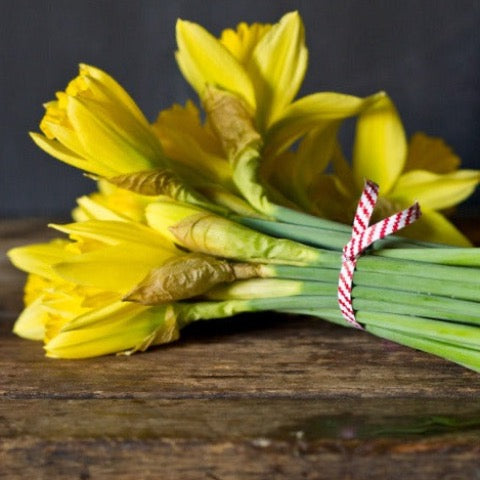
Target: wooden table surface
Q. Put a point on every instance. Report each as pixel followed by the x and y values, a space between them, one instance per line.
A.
pixel 253 397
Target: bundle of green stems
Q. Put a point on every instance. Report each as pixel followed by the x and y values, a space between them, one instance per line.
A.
pixel 425 296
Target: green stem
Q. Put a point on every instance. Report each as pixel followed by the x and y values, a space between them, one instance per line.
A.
pixel 334 240
pixel 371 299
pixel 409 303
pixel 289 216
pixel 434 282
pixel 461 355
pixel 407 266
pixel 437 330
pixel 469 257
pixel 318 230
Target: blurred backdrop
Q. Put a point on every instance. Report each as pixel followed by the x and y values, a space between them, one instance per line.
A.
pixel 424 53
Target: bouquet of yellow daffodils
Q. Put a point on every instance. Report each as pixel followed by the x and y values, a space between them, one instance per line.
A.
pixel 244 204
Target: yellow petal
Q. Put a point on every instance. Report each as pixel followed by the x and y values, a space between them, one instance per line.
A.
pixel 100 299
pixel 61 152
pixel 66 136
pixel 113 233
pixel 110 313
pixel 79 215
pixel 277 67
pixel 118 268
pixel 380 147
pixel 434 227
pixel 108 106
pixel 112 90
pixel 430 153
pixel 35 286
pixel 313 111
pixel 62 305
pixel 55 115
pixel 31 322
pixel 435 191
pixel 112 330
pixel 204 60
pixel 243 40
pixel 94 210
pixel 105 143
pixel 39 258
pixel 122 202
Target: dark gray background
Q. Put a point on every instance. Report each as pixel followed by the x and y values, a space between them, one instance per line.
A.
pixel 424 53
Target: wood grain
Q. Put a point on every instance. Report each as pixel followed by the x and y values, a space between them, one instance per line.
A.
pixel 252 397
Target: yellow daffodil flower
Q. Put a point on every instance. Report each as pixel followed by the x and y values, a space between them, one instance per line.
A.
pixel 423 170
pixel 116 328
pixel 77 286
pixel 265 66
pixel 95 125
pixel 247 81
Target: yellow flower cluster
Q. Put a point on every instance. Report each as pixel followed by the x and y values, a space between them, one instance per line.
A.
pixel 258 152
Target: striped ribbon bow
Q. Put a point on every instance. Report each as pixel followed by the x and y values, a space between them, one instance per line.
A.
pixel 362 237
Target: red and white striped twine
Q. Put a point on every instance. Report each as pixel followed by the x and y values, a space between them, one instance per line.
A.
pixel 362 237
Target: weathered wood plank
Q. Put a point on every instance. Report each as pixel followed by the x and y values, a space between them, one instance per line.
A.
pixel 318 419
pixel 256 357
pixel 236 439
pixel 192 459
pixel 254 397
